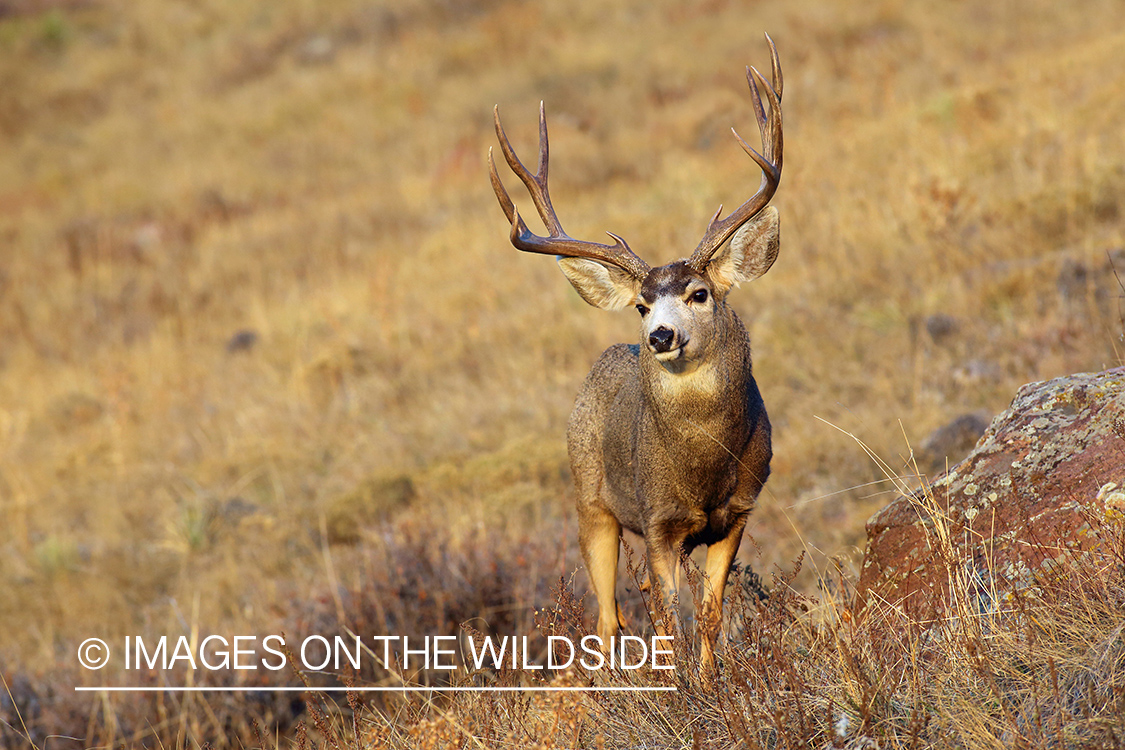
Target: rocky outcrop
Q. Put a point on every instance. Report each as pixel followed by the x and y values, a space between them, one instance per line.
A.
pixel 1037 492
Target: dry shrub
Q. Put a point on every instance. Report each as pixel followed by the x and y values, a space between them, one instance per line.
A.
pixel 1044 667
pixel 1037 667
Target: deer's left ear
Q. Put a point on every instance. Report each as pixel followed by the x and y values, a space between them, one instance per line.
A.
pixel 749 254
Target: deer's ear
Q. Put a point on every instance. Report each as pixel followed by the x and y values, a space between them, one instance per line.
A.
pixel 750 253
pixel 602 285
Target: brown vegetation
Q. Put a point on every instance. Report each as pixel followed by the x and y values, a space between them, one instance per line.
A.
pixel 267 361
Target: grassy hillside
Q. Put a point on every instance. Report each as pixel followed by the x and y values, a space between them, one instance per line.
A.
pixel 265 348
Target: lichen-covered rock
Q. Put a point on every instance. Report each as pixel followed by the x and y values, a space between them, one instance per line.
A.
pixel 1036 491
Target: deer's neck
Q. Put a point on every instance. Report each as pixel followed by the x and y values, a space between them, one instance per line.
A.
pixel 710 396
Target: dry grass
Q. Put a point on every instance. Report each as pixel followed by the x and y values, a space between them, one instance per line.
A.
pixel 267 361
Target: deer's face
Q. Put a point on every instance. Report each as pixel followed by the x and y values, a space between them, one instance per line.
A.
pixel 678 311
pixel 683 310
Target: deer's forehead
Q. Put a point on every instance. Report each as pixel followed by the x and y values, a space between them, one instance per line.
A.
pixel 670 280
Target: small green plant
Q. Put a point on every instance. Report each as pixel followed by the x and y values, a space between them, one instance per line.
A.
pixel 56 556
pixel 194 528
pixel 55 31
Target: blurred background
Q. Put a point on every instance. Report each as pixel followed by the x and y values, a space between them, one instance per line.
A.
pixel 264 343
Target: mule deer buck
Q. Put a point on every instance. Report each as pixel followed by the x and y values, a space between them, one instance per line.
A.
pixel 669 438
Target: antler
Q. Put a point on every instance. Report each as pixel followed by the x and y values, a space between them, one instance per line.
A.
pixel 557 242
pixel 718 231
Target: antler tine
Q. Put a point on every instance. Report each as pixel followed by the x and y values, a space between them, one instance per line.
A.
pixel 536 183
pixel 498 187
pixel 770 130
pixel 544 145
pixel 557 242
pixel 775 62
pixel 771 140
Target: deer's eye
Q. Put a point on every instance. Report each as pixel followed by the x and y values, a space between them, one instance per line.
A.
pixel 699 296
pixel 642 310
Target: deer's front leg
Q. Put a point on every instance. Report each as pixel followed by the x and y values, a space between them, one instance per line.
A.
pixel 598 536
pixel 664 566
pixel 720 555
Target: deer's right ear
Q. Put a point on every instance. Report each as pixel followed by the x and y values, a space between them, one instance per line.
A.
pixel 601 284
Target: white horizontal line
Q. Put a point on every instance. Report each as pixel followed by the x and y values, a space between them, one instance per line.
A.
pixel 290 689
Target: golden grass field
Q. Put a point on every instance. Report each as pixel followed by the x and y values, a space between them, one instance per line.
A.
pixel 267 359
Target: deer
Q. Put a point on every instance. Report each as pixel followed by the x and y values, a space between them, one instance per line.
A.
pixel 669 437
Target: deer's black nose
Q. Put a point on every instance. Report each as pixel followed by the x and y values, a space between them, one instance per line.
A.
pixel 661 339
